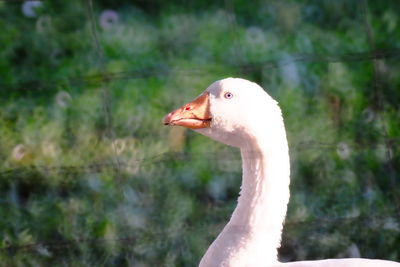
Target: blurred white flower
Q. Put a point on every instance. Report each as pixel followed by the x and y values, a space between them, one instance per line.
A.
pixel 134 218
pixel 353 251
pixel 132 166
pixel 354 212
pixel 368 114
pixel 217 188
pixel 43 24
pixel 343 150
pixel 328 240
pixel 49 149
pixel 255 35
pixel 391 20
pixel 94 183
pixel 62 99
pixel 19 152
pixel 382 67
pixel 383 151
pixel 130 194
pixel 349 176
pixel 108 19
pixel 29 8
pixel 289 70
pixel 380 124
pixel 42 250
pixel 369 194
pixel 188 178
pixel 301 213
pixel 73 206
pixel 391 224
pixel 380 151
pixel 119 145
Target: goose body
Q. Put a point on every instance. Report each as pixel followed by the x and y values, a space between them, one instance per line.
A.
pixel 240 113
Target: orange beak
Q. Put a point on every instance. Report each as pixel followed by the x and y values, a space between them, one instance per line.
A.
pixel 193 115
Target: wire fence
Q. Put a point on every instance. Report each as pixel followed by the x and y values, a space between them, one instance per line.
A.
pixel 165 70
pixel 105 77
pixel 38 247
pixel 116 166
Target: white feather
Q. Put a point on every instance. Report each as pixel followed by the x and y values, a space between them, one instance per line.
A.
pixel 252 121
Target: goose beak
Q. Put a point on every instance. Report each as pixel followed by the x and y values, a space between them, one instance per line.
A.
pixel 193 115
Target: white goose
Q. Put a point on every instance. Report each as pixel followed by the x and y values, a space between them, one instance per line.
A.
pixel 240 113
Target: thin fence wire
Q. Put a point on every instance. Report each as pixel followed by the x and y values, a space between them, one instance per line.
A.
pixel 161 70
pixel 378 95
pixel 320 222
pixel 105 88
pixel 96 167
pixel 104 78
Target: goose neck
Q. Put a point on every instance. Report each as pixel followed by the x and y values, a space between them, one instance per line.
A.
pixel 264 194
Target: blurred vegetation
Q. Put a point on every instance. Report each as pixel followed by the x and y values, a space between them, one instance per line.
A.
pixel 90 177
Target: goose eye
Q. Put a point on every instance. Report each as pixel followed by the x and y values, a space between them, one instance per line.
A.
pixel 228 95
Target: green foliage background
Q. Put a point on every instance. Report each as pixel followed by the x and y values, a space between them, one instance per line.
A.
pixel 90 177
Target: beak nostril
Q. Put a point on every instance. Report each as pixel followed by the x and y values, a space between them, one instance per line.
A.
pixel 193 115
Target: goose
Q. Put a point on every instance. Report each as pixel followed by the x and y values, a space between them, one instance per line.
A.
pixel 240 113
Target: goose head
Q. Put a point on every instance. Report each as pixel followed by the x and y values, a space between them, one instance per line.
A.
pixel 231 111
